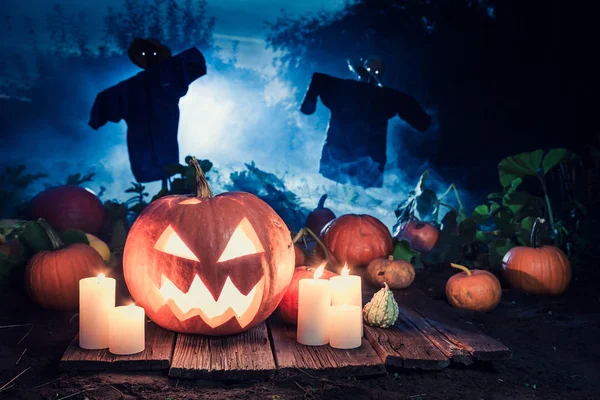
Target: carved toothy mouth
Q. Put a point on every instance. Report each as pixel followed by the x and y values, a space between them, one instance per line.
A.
pixel 198 301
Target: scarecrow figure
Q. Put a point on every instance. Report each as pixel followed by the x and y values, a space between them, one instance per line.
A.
pixel 149 103
pixel 354 150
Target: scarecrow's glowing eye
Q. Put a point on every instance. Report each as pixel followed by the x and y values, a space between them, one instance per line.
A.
pixel 169 242
pixel 143 53
pixel 154 53
pixel 243 242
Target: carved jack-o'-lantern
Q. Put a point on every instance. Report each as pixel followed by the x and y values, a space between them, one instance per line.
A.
pixel 212 265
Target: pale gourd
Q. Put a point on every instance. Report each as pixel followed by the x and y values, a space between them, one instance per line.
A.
pixel 382 310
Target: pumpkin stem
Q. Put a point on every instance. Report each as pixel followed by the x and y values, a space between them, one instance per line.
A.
pixel 535 233
pixel 202 188
pixel 322 201
pixel 385 286
pixel 311 233
pixel 53 236
pixel 463 268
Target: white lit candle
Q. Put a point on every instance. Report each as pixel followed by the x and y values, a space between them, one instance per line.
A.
pixel 346 326
pixel 314 303
pixel 127 330
pixel 96 300
pixel 346 289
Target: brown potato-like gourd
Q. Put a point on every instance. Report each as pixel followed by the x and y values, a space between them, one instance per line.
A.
pixel 476 289
pixel 398 274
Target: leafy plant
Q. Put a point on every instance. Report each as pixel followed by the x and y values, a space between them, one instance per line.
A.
pixel 13 184
pixel 273 191
pixel 79 179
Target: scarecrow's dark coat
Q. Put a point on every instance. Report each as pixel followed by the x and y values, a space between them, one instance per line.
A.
pixel 149 103
pixel 354 149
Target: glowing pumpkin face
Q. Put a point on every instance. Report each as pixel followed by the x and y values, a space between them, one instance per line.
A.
pixel 214 266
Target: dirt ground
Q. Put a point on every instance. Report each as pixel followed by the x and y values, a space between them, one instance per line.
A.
pixel 555 344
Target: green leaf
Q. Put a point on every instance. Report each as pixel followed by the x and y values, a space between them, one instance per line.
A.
pixel 12 270
pixel 494 207
pixel 502 219
pixel 498 248
pixel 421 184
pixel 72 236
pixel 514 185
pixel 467 231
pixel 403 251
pixel 523 231
pixel 519 165
pixel 426 204
pixel 34 238
pixel 481 213
pixel 449 224
pixel 522 204
pixel 555 157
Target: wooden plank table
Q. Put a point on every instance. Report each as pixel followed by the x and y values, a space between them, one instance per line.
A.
pixel 155 357
pixel 321 360
pixel 428 335
pixel 237 357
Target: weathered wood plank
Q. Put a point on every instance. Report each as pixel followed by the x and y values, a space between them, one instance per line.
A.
pixel 156 356
pixel 441 317
pixel 247 355
pixel 451 351
pixel 321 360
pixel 404 346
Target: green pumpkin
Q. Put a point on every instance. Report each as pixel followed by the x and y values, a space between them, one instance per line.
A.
pixel 382 310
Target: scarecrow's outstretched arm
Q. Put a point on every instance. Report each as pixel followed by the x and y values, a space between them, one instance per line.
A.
pixel 309 104
pixel 410 111
pixel 108 106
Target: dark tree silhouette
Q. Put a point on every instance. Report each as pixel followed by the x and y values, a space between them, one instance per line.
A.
pixel 156 19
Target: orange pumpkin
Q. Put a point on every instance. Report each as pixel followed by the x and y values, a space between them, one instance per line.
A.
pixel 356 240
pixel 288 308
pixel 205 264
pixel 422 236
pixel 52 277
pixel 476 289
pixel 537 269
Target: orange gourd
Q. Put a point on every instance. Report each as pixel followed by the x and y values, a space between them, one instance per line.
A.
pixel 476 290
pixel 537 269
pixel 52 277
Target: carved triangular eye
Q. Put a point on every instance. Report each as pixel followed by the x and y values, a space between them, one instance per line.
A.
pixel 243 242
pixel 169 242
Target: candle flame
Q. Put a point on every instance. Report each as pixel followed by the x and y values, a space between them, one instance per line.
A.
pixel 319 271
pixel 132 305
pixel 101 277
pixel 344 307
pixel 345 270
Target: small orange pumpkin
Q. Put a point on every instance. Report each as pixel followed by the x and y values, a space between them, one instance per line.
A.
pixel 52 277
pixel 537 269
pixel 476 289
